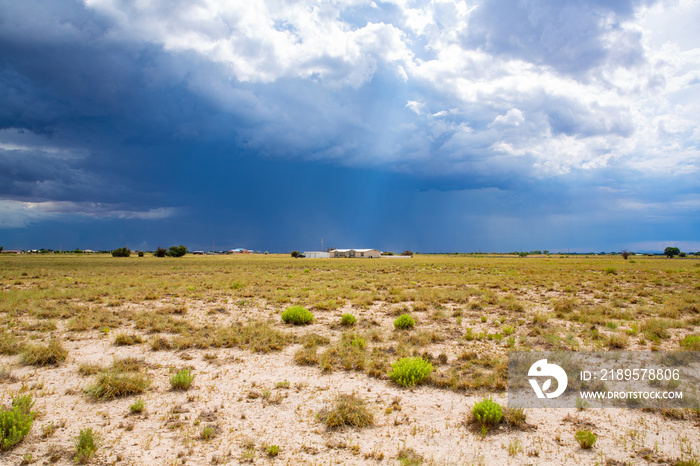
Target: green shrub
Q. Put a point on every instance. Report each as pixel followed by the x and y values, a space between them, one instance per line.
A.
pixel 39 355
pixel 487 413
pixel 408 372
pixel 86 445
pixel 110 385
pixel 137 407
pixel 121 252
pixel 348 320
pixel 177 251
pixel 182 380
pixel 161 252
pixel 16 422
pixel 273 450
pixel 404 321
pixel 297 315
pixel 585 438
pixel 347 410
pixel 611 270
pixel 691 343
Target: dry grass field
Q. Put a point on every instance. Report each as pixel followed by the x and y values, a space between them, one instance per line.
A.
pixel 194 360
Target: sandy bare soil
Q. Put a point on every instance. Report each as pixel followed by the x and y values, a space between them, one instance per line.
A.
pixel 255 400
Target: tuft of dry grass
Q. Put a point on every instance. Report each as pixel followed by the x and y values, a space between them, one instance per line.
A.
pixel 346 410
pixel 50 354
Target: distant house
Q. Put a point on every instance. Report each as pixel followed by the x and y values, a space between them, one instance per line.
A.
pixel 198 253
pixel 357 253
pixel 316 255
pixel 240 251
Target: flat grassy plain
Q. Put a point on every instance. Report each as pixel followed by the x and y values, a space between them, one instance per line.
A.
pixel 187 360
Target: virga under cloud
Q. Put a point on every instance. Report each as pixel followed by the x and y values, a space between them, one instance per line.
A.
pixel 582 110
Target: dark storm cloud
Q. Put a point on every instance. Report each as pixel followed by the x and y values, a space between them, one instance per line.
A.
pixel 570 36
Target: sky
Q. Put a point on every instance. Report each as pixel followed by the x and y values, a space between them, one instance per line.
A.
pixel 428 125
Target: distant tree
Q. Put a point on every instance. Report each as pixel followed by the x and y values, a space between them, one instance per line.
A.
pixel 407 253
pixel 626 254
pixel 141 253
pixel 295 254
pixel 121 252
pixel 177 251
pixel 1 248
pixel 670 252
pixel 682 254
pixel 545 252
pixel 160 252
pixel 522 254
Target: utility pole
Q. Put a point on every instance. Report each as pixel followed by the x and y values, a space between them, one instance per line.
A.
pixel 321 244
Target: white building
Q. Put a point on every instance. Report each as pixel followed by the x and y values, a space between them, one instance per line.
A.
pixel 361 253
pixel 316 255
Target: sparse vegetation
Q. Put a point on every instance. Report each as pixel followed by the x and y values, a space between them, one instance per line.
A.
pixel 215 311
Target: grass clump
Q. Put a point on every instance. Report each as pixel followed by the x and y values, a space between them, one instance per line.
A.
pixel 273 450
pixel 123 339
pixel 404 321
pixel 408 372
pixel 585 438
pixel 39 355
pixel 137 407
pixel 207 433
pixel 347 410
pixel 348 320
pixel 297 315
pixel 182 380
pixel 487 413
pixel 110 385
pixel 86 445
pixel 16 422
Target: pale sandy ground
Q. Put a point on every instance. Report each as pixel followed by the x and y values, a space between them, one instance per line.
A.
pixel 430 421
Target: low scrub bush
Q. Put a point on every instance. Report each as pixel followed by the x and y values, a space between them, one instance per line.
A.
pixel 121 252
pixel 487 413
pixel 182 380
pixel 297 315
pixel 404 321
pixel 16 422
pixel 585 438
pixel 408 372
pixel 347 410
pixel 348 320
pixel 39 355
pixel 86 445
